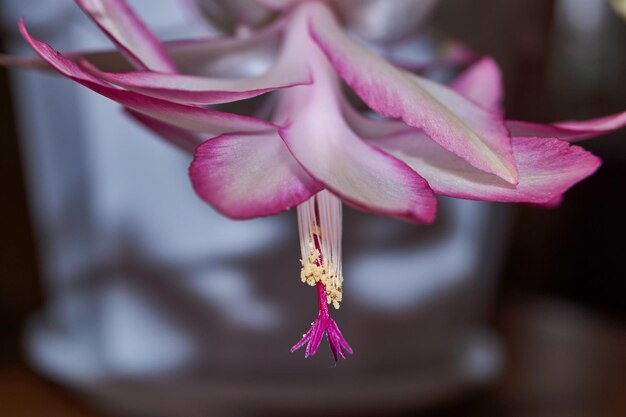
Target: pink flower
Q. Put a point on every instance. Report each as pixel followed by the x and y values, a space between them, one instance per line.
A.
pixel 316 150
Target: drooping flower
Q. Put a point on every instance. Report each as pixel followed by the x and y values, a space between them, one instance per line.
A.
pixel 315 150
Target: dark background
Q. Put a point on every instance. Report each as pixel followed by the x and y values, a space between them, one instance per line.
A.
pixel 560 303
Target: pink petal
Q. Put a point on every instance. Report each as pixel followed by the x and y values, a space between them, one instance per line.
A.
pixel 570 130
pixel 321 140
pixel 183 139
pixel 120 23
pixel 236 57
pixel 483 84
pixel 357 172
pixel 190 118
pixel 245 176
pixel 199 90
pixel 289 70
pixel 547 168
pixel 199 56
pixel 453 121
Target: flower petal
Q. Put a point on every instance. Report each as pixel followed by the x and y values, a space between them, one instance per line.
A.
pixel 483 84
pixel 236 57
pixel 120 23
pixel 453 121
pixel 200 90
pixel 571 130
pixel 181 138
pixel 317 135
pixel 250 175
pixel 190 118
pixel 360 174
pixel 289 70
pixel 547 168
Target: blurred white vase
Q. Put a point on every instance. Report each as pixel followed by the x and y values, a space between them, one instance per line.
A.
pixel 158 306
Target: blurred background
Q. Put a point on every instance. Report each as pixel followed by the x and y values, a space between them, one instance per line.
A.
pixel 555 305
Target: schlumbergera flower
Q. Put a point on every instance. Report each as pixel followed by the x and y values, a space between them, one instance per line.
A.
pixel 315 151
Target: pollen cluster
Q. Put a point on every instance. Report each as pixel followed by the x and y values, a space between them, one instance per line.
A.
pixel 315 270
pixel 320 227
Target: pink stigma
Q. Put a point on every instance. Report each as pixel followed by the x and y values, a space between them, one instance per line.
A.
pixel 323 325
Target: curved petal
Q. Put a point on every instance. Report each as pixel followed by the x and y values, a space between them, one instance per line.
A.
pixel 483 84
pixel 289 70
pixel 253 175
pixel 360 174
pixel 120 23
pixel 236 57
pixel 453 121
pixel 182 139
pixel 322 142
pixel 190 118
pixel 199 90
pixel 571 130
pixel 547 168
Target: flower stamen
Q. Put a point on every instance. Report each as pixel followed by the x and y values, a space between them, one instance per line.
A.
pixel 320 227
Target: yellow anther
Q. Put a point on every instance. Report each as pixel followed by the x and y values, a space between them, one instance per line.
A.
pixel 315 270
